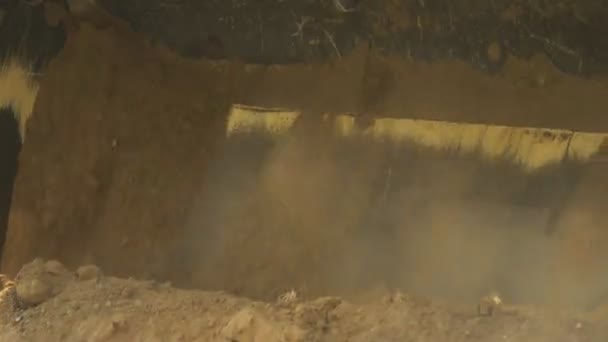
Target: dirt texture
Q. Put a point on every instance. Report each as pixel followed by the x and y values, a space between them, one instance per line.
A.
pixel 109 132
pixel 113 309
pixel 127 167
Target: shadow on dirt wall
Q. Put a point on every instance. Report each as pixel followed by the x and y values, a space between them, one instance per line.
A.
pixel 10 145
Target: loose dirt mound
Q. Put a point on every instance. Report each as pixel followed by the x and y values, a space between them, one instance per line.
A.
pixel 86 306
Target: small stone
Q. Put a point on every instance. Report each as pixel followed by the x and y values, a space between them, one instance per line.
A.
pixel 89 272
pixel 33 292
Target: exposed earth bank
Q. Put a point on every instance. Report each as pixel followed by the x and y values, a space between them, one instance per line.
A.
pixel 126 166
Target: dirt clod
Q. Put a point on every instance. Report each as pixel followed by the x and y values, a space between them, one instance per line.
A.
pixel 39 281
pixel 33 291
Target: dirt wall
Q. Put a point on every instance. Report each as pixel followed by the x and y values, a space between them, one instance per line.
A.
pixel 526 94
pixel 86 158
pixel 126 166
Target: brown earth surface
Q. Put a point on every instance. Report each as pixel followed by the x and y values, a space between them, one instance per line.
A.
pixel 126 166
pixel 87 306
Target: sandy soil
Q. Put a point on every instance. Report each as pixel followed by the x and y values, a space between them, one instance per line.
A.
pixel 49 303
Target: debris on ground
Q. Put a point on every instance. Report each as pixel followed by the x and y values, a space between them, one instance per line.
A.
pixel 50 303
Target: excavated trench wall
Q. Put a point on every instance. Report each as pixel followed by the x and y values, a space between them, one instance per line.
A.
pixel 126 165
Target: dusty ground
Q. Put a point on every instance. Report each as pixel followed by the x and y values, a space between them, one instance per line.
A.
pixel 126 167
pixel 50 303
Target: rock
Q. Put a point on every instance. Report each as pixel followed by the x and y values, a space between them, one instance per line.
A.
pixel 39 281
pixel 33 291
pixel 89 272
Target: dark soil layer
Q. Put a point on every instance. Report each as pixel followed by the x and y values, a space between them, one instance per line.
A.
pixel 481 33
pixel 126 166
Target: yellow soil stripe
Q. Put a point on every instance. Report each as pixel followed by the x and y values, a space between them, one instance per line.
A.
pixel 528 146
pixel 243 119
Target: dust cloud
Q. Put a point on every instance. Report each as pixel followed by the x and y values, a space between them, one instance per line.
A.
pixel 343 217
